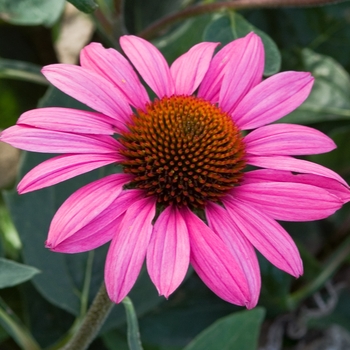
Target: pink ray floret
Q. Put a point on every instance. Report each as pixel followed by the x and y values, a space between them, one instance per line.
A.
pixel 220 238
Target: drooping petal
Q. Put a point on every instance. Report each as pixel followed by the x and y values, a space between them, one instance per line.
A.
pixel 83 206
pixel 266 235
pixel 331 185
pixel 287 139
pixel 62 168
pixel 102 228
pixel 46 141
pixel 273 99
pixel 214 263
pixel 91 89
pixel 295 165
pixel 114 67
pixel 243 72
pixel 212 81
pixel 128 249
pixel 68 120
pixel 242 250
pixel 289 201
pixel 168 254
pixel 150 63
pixel 189 69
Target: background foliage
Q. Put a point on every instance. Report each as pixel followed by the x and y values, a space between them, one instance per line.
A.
pixel 43 294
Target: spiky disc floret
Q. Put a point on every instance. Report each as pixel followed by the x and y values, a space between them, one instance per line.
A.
pixel 184 150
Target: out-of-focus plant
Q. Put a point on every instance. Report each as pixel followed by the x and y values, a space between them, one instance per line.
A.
pixel 50 300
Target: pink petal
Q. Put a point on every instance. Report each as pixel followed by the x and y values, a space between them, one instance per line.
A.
pixel 295 165
pixel 111 65
pixel 68 120
pixel 243 72
pixel 212 82
pixel 266 175
pixel 83 206
pixel 189 69
pixel 289 201
pixel 287 139
pixel 62 168
pixel 168 254
pixel 214 263
pixel 102 228
pixel 272 99
pixel 89 88
pixel 242 250
pixel 46 141
pixel 150 63
pixel 266 235
pixel 128 249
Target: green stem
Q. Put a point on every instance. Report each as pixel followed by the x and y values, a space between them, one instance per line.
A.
pixel 12 69
pixel 16 329
pixel 86 286
pixel 330 267
pixel 200 9
pixel 92 322
pixel 134 340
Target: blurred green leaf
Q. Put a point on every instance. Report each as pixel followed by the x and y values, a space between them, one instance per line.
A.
pixel 275 287
pixel 179 41
pixel 32 214
pixel 237 331
pixel 13 69
pixel 86 6
pixel 16 97
pixel 330 97
pixel 164 327
pixel 338 159
pixel 141 13
pixel 225 28
pixel 47 322
pixel 13 273
pixel 16 329
pixel 31 12
pixel 55 97
pixel 324 29
pixel 113 340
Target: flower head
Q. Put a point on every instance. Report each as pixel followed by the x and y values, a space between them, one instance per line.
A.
pixel 185 195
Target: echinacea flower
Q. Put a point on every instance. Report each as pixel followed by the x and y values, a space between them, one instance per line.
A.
pixel 185 195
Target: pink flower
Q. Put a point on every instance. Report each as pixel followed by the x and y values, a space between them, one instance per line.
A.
pixel 185 195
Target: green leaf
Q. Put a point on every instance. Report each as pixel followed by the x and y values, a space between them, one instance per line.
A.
pixel 225 28
pixel 115 341
pixel 179 41
pixel 31 215
pixel 142 13
pixel 330 96
pixel 31 12
pixel 16 329
pixel 86 6
pixel 338 159
pixel 275 287
pixel 47 322
pixel 13 273
pixel 19 70
pixel 237 331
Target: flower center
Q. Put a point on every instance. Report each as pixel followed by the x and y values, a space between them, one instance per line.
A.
pixel 184 150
